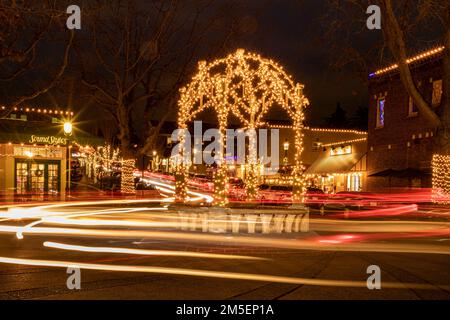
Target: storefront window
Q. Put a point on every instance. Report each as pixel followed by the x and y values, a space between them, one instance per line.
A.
pixel 44 152
pixel 356 182
pixel 341 150
pixel 412 108
pixel 37 177
pixel 22 177
pixel 353 182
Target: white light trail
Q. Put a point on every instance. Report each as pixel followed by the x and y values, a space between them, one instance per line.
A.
pixel 217 274
pixel 238 240
pixel 190 254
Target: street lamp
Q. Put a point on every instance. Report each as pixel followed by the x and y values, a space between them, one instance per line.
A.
pixel 68 128
pixel 286 148
pixel 154 160
pixel 68 132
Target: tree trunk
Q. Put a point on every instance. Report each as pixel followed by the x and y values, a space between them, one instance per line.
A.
pixel 128 161
pixel 443 135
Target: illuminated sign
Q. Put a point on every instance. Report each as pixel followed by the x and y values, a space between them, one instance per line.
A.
pixel 38 152
pixel 341 150
pixel 50 140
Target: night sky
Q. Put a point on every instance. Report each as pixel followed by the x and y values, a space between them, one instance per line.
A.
pixel 291 32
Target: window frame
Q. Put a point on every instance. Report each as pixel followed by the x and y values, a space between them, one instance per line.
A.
pixel 411 112
pixel 433 104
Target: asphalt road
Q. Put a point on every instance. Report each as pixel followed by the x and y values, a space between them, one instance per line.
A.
pixel 299 256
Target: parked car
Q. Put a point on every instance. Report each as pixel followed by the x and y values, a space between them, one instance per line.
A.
pixel 147 190
pixel 201 181
pixel 353 200
pixel 236 189
pixel 315 199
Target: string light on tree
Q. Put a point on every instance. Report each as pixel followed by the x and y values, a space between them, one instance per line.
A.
pixel 244 85
pixel 127 179
pixel 441 178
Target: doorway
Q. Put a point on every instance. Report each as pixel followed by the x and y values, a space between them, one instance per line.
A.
pixel 38 177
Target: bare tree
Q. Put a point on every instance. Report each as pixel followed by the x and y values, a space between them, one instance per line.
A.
pixel 402 21
pixel 136 56
pixel 27 27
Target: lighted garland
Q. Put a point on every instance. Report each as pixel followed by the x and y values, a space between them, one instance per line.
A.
pixel 415 58
pixel 246 85
pixel 220 186
pixel 441 178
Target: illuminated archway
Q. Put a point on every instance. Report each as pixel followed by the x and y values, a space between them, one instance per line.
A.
pixel 248 86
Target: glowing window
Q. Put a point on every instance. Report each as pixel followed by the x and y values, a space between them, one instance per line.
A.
pixel 380 112
pixel 341 150
pixel 412 108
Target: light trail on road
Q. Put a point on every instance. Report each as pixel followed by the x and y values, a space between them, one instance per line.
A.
pixel 144 252
pixel 218 274
pixel 131 219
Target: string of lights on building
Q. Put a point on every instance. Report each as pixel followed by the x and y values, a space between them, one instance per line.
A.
pixel 246 85
pixel 39 110
pixel 283 126
pixel 440 165
pixel 415 58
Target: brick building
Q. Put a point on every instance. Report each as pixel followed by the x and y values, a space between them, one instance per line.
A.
pixel 34 152
pixel 400 139
pixel 335 159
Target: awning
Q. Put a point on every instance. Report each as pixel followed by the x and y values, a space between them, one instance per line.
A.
pixel 402 173
pixel 334 164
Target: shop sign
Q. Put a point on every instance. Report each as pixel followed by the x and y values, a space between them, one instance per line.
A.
pixel 50 140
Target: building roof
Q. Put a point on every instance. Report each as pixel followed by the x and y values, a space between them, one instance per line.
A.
pixel 414 59
pixel 40 110
pixel 330 130
pixel 18 131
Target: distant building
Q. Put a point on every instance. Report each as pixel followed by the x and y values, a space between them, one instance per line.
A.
pixel 400 139
pixel 334 159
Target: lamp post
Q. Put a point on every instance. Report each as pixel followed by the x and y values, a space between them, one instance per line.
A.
pixel 68 133
pixel 286 148
pixel 154 160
